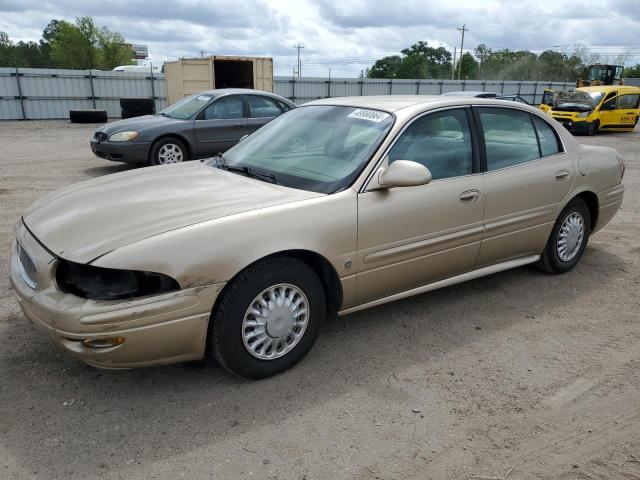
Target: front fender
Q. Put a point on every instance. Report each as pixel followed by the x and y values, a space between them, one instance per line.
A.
pixel 215 251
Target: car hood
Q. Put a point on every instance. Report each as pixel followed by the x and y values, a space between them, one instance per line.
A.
pixel 87 220
pixel 139 123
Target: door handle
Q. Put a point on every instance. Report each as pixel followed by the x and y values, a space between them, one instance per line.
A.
pixel 562 175
pixel 469 196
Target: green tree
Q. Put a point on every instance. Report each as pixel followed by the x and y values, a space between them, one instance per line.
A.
pixel 70 48
pixel 422 61
pixel 84 45
pixel 469 67
pixel 632 72
pixel 386 67
pixel 113 49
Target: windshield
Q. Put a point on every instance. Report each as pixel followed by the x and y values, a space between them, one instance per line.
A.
pixel 317 148
pixel 595 98
pixel 187 107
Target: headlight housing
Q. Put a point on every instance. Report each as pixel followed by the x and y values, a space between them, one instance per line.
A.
pixel 98 283
pixel 123 136
pixel 583 114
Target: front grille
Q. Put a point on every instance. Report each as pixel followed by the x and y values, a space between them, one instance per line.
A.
pixel 99 136
pixel 27 268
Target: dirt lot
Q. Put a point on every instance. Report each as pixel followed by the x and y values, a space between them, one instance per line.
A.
pixel 519 375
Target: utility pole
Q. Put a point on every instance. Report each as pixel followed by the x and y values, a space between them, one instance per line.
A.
pixel 201 53
pixel 453 65
pixel 299 47
pixel 462 30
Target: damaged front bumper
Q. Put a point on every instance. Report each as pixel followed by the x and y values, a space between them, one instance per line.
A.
pixel 159 329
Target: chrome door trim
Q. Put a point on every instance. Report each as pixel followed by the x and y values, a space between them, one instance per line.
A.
pixel 481 272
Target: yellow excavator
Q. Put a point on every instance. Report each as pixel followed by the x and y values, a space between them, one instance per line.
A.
pixel 599 75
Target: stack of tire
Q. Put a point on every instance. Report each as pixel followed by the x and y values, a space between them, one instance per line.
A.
pixel 88 116
pixel 137 106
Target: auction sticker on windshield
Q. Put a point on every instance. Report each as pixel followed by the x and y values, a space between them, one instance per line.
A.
pixel 371 115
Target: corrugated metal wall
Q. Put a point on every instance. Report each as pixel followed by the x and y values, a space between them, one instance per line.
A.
pixel 33 93
pixel 305 89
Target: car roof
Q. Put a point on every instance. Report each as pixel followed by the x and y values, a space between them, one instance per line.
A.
pixel 244 91
pixel 394 103
pixel 610 88
pixel 472 93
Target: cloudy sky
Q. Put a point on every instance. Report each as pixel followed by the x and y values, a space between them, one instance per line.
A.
pixel 344 35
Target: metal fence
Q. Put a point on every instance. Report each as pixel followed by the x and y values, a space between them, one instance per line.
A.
pixel 30 93
pixel 34 93
pixel 305 89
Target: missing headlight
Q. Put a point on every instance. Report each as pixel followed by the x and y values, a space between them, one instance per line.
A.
pixel 98 283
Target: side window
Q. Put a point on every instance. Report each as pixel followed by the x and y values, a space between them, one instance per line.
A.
pixel 261 107
pixel 547 137
pixel 509 137
pixel 628 101
pixel 439 141
pixel 224 108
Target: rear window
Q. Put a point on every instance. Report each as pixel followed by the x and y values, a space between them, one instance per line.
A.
pixel 549 144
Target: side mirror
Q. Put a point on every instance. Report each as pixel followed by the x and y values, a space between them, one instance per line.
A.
pixel 402 173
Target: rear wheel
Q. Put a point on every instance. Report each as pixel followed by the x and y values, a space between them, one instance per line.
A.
pixel 267 318
pixel 568 238
pixel 168 150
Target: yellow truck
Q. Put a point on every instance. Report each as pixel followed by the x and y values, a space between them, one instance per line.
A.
pixel 593 109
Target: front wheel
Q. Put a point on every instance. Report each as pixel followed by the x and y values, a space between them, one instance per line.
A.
pixel 593 128
pixel 267 318
pixel 568 238
pixel 168 150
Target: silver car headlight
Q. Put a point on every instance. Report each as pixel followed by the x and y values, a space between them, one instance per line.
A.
pixel 123 136
pixel 583 114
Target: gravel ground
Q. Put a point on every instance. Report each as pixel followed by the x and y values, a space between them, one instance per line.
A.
pixel 517 375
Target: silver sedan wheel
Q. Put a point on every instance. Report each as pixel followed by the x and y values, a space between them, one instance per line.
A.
pixel 275 321
pixel 570 236
pixel 170 153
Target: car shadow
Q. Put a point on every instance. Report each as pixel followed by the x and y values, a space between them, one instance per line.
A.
pixel 165 411
pixel 112 168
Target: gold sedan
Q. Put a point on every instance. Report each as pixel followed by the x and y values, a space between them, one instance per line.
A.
pixel 336 206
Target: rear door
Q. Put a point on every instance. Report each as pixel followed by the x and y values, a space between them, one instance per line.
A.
pixel 221 125
pixel 261 110
pixel 527 176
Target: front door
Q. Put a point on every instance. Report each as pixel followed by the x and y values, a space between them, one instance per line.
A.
pixel 527 177
pixel 412 236
pixel 220 126
pixel 620 113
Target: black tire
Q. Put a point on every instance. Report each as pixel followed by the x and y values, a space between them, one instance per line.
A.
pixel 550 260
pixel 593 128
pixel 225 329
pixel 157 149
pixel 88 116
pixel 143 105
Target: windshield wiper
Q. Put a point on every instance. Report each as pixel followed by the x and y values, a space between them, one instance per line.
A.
pixel 248 171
